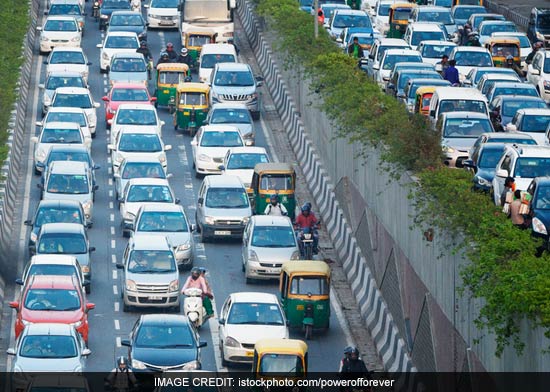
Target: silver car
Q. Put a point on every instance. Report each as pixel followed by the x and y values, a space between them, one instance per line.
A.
pixel 59 79
pixel 138 167
pixel 128 68
pixel 235 114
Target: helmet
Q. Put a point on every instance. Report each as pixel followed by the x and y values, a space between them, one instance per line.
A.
pixel 472 34
pixel 354 351
pixel 195 270
pixel 187 79
pixel 169 45
pixel 274 198
pixel 202 270
pixel 121 361
pixel 348 350
pixel 143 43
pixel 164 54
pixel 306 207
pixel 509 57
pixel 184 51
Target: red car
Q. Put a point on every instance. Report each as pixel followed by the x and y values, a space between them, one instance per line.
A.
pixel 53 299
pixel 125 93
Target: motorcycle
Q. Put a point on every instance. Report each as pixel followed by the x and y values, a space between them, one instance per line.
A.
pixel 193 308
pixel 95 10
pixel 306 243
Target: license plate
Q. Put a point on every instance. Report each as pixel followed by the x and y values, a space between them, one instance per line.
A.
pixel 166 22
pixel 222 232
pixel 271 271
pixel 155 297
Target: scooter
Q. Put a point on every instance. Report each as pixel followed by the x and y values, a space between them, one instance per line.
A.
pixel 192 307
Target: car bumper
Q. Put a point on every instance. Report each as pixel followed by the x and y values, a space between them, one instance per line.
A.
pixel 162 23
pixel 47 46
pixel 103 63
pixel 208 167
pixel 133 298
pixel 223 231
pixel 261 270
pixel 238 354
pixel 455 159
pixel 184 258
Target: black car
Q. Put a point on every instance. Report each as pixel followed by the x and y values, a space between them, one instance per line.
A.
pixel 483 164
pixel 540 208
pixel 161 342
pixel 68 153
pixel 129 21
pixel 54 211
pixel 110 6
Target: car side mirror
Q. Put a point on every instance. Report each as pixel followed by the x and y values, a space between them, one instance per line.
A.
pixel 259 84
pixel 92 249
pixel 193 142
pixel 535 71
pixel 202 344
pixel 221 167
pixel 86 283
pixel 339 40
pixel 105 98
pixel 19 281
pixel 126 343
pixel 110 121
pixel 89 63
pixel 11 351
pixel 169 175
pixel 90 306
pixel 193 227
pixel 14 305
pixel 119 266
pixel 391 86
pixel 86 352
pixel 40 186
pixel 34 139
pixel 467 82
pixel 96 167
pixel 39 28
pixel 201 200
pixel 99 46
pixel 376 67
pixel 117 175
pixel 168 147
pixel 162 123
pixel 502 173
pixel 401 95
pixel 177 201
pixel 221 321
pixel 28 223
pixel 96 187
pixel 42 86
pixel 432 113
pixel 96 105
pixel 153 99
pixel 111 147
pixel 511 127
pixel 469 163
pixel 39 124
pixel 45 62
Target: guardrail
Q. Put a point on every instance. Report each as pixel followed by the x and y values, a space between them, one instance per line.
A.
pixel 514 16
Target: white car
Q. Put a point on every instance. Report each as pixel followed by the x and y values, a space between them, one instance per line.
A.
pixel 240 162
pixel 210 145
pixel 245 318
pixel 138 167
pixel 432 51
pixel 163 13
pixel 77 97
pixel 128 68
pixel 52 264
pixel 347 18
pixel 136 115
pixel 71 115
pixel 381 19
pixel 235 114
pixel 418 32
pixel 56 133
pixel 268 242
pixel 59 79
pixel 138 143
pixel 470 57
pixel 538 73
pixel 389 59
pixel 59 31
pixel 116 42
pixel 67 59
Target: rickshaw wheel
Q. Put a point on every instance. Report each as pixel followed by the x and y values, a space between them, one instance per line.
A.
pixel 308 329
pixel 175 127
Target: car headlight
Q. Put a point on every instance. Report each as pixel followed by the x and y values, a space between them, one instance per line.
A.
pixel 162 158
pixel 78 324
pixel 40 154
pixel 184 247
pixel 546 84
pixel 204 158
pixel 138 364
pixel 118 159
pixel 539 227
pixel 153 16
pixel 104 16
pixel 131 286
pixel 193 365
pixel 75 39
pixel 85 269
pixel 230 342
pixel 482 181
pixel 105 56
pixel 44 38
pixel 295 255
pixel 448 149
pixel 128 216
pixel 245 220
pixel 174 286
pixel 215 99
pixel 87 207
pixel 252 256
pixel 209 220
pixel 34 237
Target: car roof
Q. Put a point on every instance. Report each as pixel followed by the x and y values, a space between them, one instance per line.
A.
pixel 65 74
pixel 233 66
pixel 401 52
pixel 72 90
pixel 140 106
pixel 248 150
pixel 59 203
pixel 255 297
pixel 271 220
pixel 127 85
pixel 506 135
pixel 470 49
pixel 534 111
pixel 121 34
pixel 486 22
pixel 520 97
pixel 67 49
pixel 52 2
pixel 163 318
pixel 125 12
pixel 49 329
pixel 53 259
pixel 62 228
pixel 148 181
pixel 149 242
pixel 223 180
pixel 142 129
pixel 61 17
pixel 437 82
pixel 127 55
pixel 425 26
pixel 217 48
pixel 219 128
pixel 53 281
pixel 344 11
pixel 513 84
pixel 432 8
pixel 146 158
pixel 459 93
pixel 65 109
pixel 61 125
pixel 393 41
pixel 509 34
pixel 466 115
pixel 69 148
pixel 499 76
pixel 492 146
pixel 437 42
pixel 68 167
pixel 531 151
pixel 161 207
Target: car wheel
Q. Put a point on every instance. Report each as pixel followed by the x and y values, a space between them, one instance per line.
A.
pixel 224 361
pixel 256 115
pixel 197 174
pixel 202 237
pixel 125 308
pixel 242 266
pixel 94 135
pixel 37 172
pixel 124 233
pixel 102 70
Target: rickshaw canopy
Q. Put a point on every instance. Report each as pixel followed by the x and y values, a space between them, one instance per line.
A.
pixel 396 7
pixel 498 44
pixel 273 167
pixel 193 87
pixel 281 346
pixel 309 267
pixel 172 67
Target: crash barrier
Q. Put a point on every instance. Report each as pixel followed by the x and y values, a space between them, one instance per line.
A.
pixel 389 344
pixel 509 14
pixel 12 173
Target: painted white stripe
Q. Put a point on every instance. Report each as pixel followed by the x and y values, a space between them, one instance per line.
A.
pixel 112 217
pixel 113 244
pixel 117 306
pixel 118 341
pixel 115 274
pixel 113 259
pixel 117 324
pixel 115 289
pixel 111 205
pixel 112 230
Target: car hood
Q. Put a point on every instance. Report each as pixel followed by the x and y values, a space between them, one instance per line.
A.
pixel 213 152
pixel 80 68
pixel 245 175
pixel 50 316
pixel 163 11
pixel 59 34
pixel 68 365
pixel 115 104
pixel 250 334
pixel 164 356
pixel 235 90
pixel 463 144
pixel 154 278
pixel 128 77
pixel 243 128
pixel 124 155
pixel 204 73
pixel 64 196
pixel 175 238
pixel 538 136
pixel 111 51
pixel 227 213
pixel 278 255
pixel 133 29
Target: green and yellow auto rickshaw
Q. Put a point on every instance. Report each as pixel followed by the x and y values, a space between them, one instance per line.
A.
pixel 269 179
pixel 304 289
pixel 399 19
pixel 169 76
pixel 194 41
pixel 502 47
pixel 280 358
pixel 192 105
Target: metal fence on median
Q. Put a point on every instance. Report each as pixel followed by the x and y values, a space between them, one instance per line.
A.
pixel 514 16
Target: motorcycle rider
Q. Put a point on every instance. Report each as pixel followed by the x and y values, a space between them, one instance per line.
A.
pixel 510 63
pixel 121 377
pixel 352 366
pixel 164 58
pixel 274 207
pixel 144 50
pixel 451 74
pixel 172 55
pixel 473 39
pixel 197 281
pixel 307 219
pixel 185 58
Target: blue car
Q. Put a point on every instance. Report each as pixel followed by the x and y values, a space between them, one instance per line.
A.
pixel 508 105
pixel 540 209
pixel 483 164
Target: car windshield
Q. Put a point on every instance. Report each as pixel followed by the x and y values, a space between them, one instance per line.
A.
pixel 328 10
pixel 221 139
pixel 534 123
pixel 305 285
pixel 154 193
pixel 82 101
pixel 121 42
pixel 67 58
pixel 151 261
pixel 234 78
pixel 48 346
pixel 479 72
pixel 57 215
pixel 382 49
pixel 488 84
pixel 543 21
pixel 62 243
pixel 509 108
pixel 64 9
pixel 342 20
pixel 276 182
pixel 546 65
pixel 436 51
pixel 52 269
pixel 364 39
pixel 273 237
pixel 198 40
pixel 405 77
pixel 466 128
pixel 162 221
pixel 529 90
pixel 126 20
pixel 64 81
pixel 209 60
pixel 512 140
pixel 489 158
pixel 542 198
pixel 116 4
pixel 419 36
pixel 60 25
pixel 52 299
pixel 129 94
pixel 462 105
pixel 473 59
pixel 401 13
pixel 226 198
pixel 435 16
pixel 171 77
pixel 532 167
pixel 391 59
pixel 285 364
pixel 62 136
pixel 465 12
pixel 78 156
pixel 136 117
pixel 72 117
pixel 139 142
pixel 193 98
pixel 165 336
pixel 164 3
pixel 142 170
pixel 490 28
pixel 245 161
pixel 230 116
pixel 128 65
pixel 255 314
pixel 384 10
pixel 68 184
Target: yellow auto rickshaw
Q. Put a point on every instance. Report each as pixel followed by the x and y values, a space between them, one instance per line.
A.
pixel 422 99
pixel 304 289
pixel 399 19
pixel 467 2
pixel 192 106
pixel 169 76
pixel 194 41
pixel 501 47
pixel 275 358
pixel 269 179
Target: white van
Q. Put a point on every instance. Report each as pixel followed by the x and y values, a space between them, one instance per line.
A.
pixel 211 54
pixel 457 99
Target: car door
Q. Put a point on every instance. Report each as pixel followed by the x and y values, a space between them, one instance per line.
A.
pixel 223 316
pixel 505 163
pixel 200 205
pixel 246 242
pixel 371 59
pixel 195 143
pixel 125 256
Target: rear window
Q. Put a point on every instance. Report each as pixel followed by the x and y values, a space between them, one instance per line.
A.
pixel 462 105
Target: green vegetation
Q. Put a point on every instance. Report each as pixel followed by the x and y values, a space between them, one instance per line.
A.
pixel 14 21
pixel 503 269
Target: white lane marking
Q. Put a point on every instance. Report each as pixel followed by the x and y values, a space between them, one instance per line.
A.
pixel 117 324
pixel 113 259
pixel 115 274
pixel 118 342
pixel 201 256
pixel 110 182
pixel 117 306
pixel 115 289
pixel 105 82
pixel 199 247
pixel 112 217
pixel 109 159
pixel 268 140
pixel 110 170
pixel 162 39
pixel 110 193
pixel 113 244
pixel 112 231
pixel 111 205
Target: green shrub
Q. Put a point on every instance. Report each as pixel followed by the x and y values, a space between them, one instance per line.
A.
pixel 502 269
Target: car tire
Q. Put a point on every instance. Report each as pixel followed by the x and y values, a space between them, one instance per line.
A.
pixel 202 237
pixel 125 308
pixel 243 267
pixel 102 70
pixel 198 175
pixel 125 234
pixel 176 309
